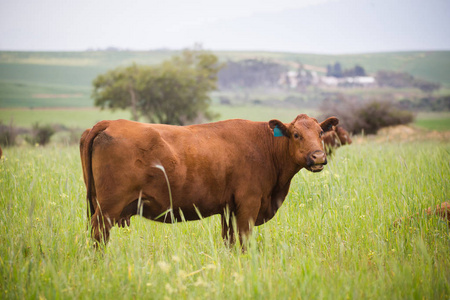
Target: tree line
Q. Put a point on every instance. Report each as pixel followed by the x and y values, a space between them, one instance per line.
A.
pixel 337 71
pixel 404 80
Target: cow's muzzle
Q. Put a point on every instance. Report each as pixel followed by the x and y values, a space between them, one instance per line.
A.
pixel 316 160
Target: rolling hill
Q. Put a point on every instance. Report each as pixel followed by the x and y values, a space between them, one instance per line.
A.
pixel 63 79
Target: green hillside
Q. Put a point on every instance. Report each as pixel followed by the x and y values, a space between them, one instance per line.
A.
pixel 431 65
pixel 26 78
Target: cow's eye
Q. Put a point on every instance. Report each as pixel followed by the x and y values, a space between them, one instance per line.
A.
pixel 296 135
pixel 321 134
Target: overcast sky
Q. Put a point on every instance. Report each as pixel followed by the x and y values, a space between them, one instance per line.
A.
pixel 314 26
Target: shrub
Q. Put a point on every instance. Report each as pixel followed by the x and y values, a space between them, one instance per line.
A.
pixel 74 136
pixel 402 80
pixel 365 116
pixel 40 134
pixel 8 134
pixel 441 103
pixel 68 136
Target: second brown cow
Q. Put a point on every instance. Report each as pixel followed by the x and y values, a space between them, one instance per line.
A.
pixel 236 168
pixel 335 138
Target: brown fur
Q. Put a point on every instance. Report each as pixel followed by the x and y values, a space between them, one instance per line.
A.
pixel 235 168
pixel 335 138
pixel 442 210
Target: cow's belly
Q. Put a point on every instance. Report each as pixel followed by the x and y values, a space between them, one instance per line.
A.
pixel 188 204
pixel 264 216
pixel 189 212
pixel 270 205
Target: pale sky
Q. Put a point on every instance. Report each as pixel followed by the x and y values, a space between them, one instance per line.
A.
pixel 315 26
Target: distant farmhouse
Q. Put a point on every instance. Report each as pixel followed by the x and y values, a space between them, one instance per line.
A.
pixel 293 80
pixel 357 81
pixel 335 76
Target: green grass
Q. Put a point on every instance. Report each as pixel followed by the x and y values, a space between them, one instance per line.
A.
pixel 435 124
pixel 20 83
pixel 84 118
pixel 332 239
pixel 434 121
pixel 26 95
pixel 77 118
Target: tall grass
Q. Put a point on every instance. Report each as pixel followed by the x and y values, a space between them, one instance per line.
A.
pixel 332 239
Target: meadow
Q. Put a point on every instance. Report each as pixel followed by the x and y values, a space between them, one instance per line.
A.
pixel 86 117
pixel 433 121
pixel 333 238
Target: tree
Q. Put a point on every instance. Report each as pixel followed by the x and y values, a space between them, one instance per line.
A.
pixel 116 89
pixel 329 70
pixel 359 71
pixel 174 92
pixel 337 70
pixel 334 70
pixel 354 72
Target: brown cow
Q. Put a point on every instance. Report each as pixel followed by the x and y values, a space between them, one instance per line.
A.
pixel 236 168
pixel 442 210
pixel 335 138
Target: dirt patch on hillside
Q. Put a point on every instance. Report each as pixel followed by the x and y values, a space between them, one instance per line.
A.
pixel 410 133
pixel 403 133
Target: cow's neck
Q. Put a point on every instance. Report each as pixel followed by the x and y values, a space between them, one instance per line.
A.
pixel 284 166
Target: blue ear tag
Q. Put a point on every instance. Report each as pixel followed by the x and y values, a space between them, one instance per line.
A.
pixel 277 132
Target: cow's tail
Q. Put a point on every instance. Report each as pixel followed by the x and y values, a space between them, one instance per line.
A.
pixel 87 158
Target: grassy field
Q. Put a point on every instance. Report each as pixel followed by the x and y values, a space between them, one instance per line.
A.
pixel 78 118
pixel 84 118
pixel 434 124
pixel 434 121
pixel 332 239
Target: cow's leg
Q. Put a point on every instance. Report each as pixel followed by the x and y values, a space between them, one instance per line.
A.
pixel 227 229
pixel 100 227
pixel 246 215
pixel 104 218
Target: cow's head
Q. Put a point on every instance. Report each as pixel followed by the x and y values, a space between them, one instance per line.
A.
pixel 344 136
pixel 305 140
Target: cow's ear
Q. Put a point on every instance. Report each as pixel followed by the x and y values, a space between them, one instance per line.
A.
pixel 278 128
pixel 328 124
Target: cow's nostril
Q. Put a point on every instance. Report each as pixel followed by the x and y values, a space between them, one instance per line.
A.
pixel 318 157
